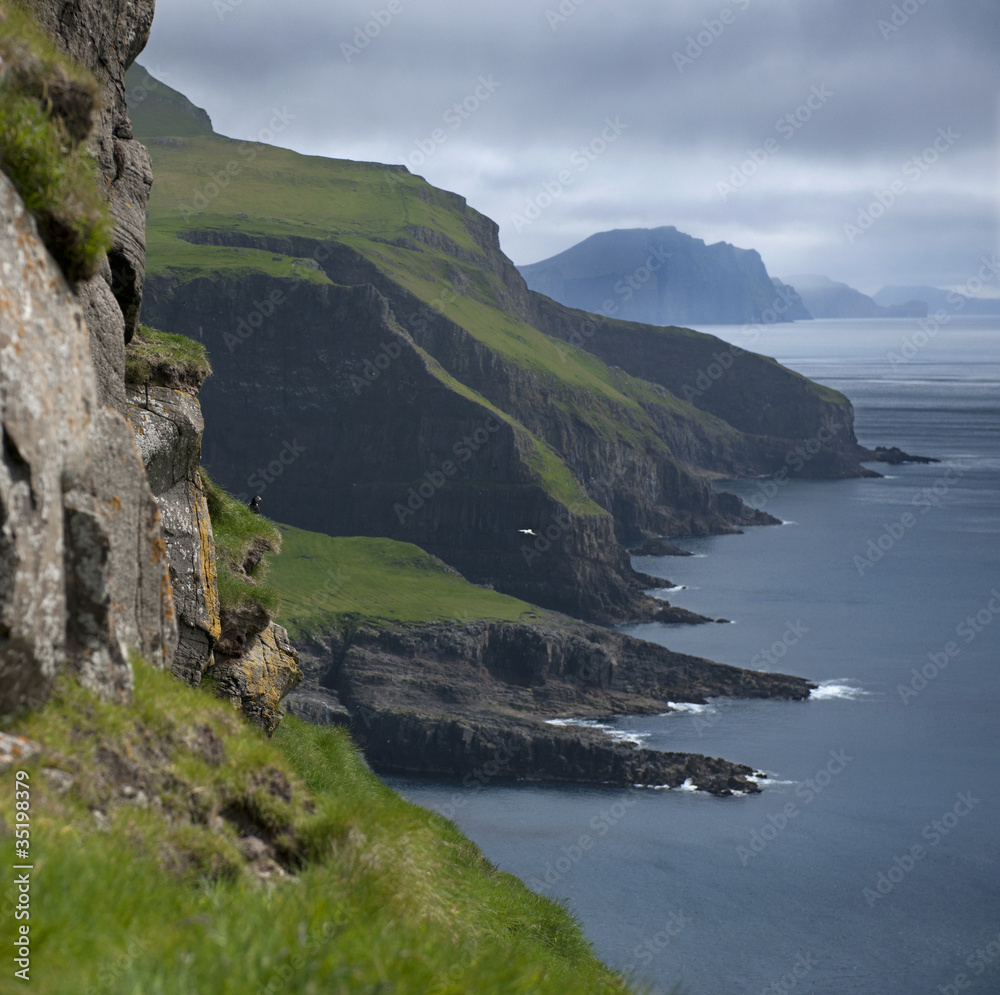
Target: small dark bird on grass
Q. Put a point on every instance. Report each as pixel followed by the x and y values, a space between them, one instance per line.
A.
pixel 255 502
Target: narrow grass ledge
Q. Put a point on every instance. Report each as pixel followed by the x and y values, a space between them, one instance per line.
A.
pixel 162 359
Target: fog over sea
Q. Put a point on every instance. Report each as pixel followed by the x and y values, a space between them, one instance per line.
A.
pixel 871 861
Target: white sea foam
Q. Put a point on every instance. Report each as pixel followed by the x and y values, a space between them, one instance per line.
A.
pixel 687 706
pixel 839 688
pixel 618 735
pixel 688 785
pixel 789 522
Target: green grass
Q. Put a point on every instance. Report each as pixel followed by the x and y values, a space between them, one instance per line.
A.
pixel 163 358
pixel 238 534
pixel 387 897
pixel 327 582
pixel 46 106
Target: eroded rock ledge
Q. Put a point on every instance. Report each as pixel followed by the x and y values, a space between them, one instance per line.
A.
pixel 456 699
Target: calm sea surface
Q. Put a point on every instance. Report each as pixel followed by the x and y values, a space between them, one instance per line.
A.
pixel 871 862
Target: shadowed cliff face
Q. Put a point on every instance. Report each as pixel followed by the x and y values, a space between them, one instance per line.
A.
pixel 344 425
pixel 381 368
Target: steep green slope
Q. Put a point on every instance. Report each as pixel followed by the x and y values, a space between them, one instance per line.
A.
pixel 377 325
pixel 238 864
pixel 325 581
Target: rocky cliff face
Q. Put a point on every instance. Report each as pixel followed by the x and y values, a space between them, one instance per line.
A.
pixel 83 563
pixel 106 38
pixel 453 699
pixel 106 546
pixel 660 276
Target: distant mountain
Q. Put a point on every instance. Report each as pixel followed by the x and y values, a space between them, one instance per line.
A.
pixel 825 298
pixel 660 276
pixel 937 300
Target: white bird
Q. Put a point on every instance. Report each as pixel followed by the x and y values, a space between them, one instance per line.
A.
pixel 528 532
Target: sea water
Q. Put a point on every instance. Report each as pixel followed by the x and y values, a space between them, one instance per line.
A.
pixel 871 861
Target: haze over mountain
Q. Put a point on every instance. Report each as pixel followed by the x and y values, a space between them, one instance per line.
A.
pixel 661 276
pixel 937 299
pixel 825 298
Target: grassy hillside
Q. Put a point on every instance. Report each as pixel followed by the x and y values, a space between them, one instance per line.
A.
pixel 238 864
pixel 324 581
pixel 212 185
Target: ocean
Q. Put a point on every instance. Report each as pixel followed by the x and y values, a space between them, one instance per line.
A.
pixel 871 861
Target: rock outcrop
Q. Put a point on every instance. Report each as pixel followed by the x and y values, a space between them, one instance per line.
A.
pixel 83 564
pixel 448 699
pixel 257 680
pixel 168 426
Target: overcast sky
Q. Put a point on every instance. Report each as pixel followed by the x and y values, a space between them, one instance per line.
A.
pixel 771 124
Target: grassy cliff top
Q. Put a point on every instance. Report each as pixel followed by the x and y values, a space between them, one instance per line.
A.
pixel 173 849
pixel 324 581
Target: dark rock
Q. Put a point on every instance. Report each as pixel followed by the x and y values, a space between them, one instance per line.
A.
pixel 895 456
pixel 672 615
pixel 448 699
pixel 658 547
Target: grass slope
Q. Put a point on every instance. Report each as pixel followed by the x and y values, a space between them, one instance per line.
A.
pixel 207 183
pixel 140 818
pixel 326 582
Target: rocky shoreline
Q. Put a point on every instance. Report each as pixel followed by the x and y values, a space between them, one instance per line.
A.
pixel 460 699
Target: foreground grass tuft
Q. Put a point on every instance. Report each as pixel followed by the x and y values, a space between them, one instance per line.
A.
pixel 47 104
pixel 169 892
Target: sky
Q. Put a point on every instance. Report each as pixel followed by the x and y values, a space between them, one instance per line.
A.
pixel 857 139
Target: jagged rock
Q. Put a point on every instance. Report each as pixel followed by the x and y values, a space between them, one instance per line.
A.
pixel 895 456
pixel 168 427
pixel 257 681
pixel 318 706
pixel 16 749
pixel 452 698
pixel 82 557
pixel 106 38
pixel 657 547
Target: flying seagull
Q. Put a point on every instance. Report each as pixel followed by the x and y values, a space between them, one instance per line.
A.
pixel 528 532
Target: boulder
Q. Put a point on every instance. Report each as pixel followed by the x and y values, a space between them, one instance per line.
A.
pixel 257 681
